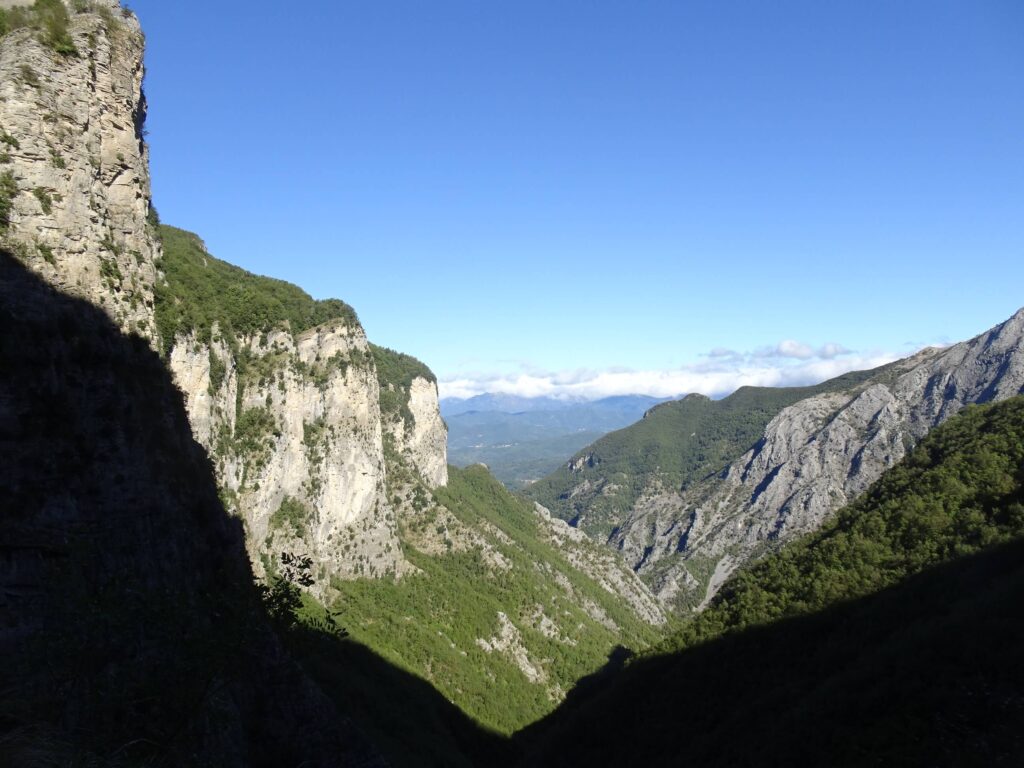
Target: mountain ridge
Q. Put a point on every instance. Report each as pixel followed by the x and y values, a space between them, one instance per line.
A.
pixel 746 488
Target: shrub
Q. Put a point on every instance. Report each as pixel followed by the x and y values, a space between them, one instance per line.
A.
pixel 8 191
pixel 45 201
pixel 52 18
pixel 29 76
pixel 217 372
pixel 291 514
pixel 282 596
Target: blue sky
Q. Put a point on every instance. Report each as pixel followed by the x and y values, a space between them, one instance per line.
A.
pixel 589 196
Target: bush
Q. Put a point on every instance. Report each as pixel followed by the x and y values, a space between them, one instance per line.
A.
pixel 292 514
pixel 49 18
pixel 282 596
pixel 52 18
pixel 8 191
pixel 45 200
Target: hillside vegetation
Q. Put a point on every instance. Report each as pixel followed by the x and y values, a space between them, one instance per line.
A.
pixel 890 637
pixel 199 291
pixel 674 445
pixel 49 18
pixel 960 491
pixel 396 372
pixel 497 618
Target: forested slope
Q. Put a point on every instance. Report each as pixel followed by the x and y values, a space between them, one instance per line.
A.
pixel 890 637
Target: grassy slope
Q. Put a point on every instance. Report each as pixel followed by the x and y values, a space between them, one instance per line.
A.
pixel 427 624
pixel 891 637
pixel 676 443
pixel 200 290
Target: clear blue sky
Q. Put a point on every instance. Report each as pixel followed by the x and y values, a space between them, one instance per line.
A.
pixel 540 186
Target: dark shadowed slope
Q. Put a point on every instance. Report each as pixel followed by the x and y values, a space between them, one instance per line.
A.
pixel 412 724
pixel 130 633
pixel 891 637
pixel 925 674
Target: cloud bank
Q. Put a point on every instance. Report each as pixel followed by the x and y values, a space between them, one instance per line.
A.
pixel 716 374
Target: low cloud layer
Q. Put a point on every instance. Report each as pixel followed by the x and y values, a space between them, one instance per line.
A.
pixel 719 372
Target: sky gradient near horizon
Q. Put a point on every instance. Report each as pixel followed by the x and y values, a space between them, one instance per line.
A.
pixel 599 197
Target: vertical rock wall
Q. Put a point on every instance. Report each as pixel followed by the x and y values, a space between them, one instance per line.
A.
pixel 71 140
pixel 296 434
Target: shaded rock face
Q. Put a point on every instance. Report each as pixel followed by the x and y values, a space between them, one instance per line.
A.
pixel 130 628
pixel 72 130
pixel 73 145
pixel 815 456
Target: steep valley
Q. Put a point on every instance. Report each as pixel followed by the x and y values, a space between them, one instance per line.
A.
pixel 230 535
pixel 327 451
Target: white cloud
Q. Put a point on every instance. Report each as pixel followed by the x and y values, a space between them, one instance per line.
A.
pixel 795 349
pixel 722 371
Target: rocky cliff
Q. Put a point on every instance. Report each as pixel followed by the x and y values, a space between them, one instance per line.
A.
pixel 131 631
pixel 684 537
pixel 76 163
pixel 303 417
pixel 130 628
pixel 288 406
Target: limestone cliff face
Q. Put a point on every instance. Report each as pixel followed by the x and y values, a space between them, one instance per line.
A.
pixel 71 140
pixel 421 438
pixel 296 437
pixel 815 456
pixel 131 629
pixel 292 421
pixel 309 432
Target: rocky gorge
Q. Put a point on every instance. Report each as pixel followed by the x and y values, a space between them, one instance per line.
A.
pixel 229 534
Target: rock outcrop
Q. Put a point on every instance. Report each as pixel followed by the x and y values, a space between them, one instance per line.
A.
pixel 296 437
pixel 424 441
pixel 308 427
pixel 815 457
pixel 290 416
pixel 604 567
pixel 71 138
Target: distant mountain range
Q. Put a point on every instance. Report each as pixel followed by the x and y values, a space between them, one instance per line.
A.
pixel 522 439
pixel 500 403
